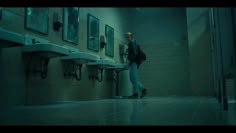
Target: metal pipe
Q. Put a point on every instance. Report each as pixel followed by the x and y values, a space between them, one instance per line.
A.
pixel 100 70
pixel 78 67
pixel 44 67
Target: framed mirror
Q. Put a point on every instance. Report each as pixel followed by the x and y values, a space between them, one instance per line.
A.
pixel 36 19
pixel 109 33
pixel 71 24
pixel 93 33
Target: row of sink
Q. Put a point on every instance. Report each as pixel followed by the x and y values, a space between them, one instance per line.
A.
pixel 41 47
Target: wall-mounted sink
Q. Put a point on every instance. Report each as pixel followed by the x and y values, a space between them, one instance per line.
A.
pixel 10 39
pixel 46 50
pixel 119 67
pixel 102 63
pixel 74 61
pixel 38 47
pixel 81 57
pixel 41 47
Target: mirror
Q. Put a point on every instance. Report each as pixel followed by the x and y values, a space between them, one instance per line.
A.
pixel 71 24
pixel 109 33
pixel 36 19
pixel 93 33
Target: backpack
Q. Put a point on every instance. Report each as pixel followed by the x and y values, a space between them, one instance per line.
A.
pixel 141 56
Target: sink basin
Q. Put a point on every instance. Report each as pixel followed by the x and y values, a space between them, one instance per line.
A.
pixel 81 57
pixel 119 67
pixel 10 39
pixel 47 50
pixel 31 40
pixel 102 63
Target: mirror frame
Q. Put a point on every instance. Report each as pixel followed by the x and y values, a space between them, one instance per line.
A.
pixel 32 27
pixel 97 39
pixel 108 45
pixel 65 25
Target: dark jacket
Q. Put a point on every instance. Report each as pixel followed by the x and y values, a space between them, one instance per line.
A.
pixel 132 51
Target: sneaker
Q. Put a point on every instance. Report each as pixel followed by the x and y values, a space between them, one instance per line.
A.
pixel 144 92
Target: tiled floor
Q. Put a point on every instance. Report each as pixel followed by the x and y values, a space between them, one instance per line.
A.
pixel 147 111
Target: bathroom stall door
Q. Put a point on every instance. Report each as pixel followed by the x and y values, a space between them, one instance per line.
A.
pixel 216 29
pixel 213 51
pixel 225 39
pixel 216 52
pixel 233 11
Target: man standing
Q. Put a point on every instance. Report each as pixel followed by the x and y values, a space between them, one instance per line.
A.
pixel 133 65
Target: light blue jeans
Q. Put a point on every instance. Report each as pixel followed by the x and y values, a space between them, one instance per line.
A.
pixel 133 73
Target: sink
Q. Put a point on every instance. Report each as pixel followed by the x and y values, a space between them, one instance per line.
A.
pixel 10 39
pixel 35 46
pixel 47 50
pixel 31 40
pixel 81 57
pixel 74 61
pixel 119 67
pixel 102 63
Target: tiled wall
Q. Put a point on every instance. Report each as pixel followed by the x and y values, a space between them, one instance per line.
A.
pixel 162 34
pixel 16 90
pixel 166 70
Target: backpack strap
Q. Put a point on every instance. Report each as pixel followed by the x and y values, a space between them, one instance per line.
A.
pixel 135 47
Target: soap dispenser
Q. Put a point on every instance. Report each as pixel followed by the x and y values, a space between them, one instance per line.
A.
pixel 102 41
pixel 56 24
